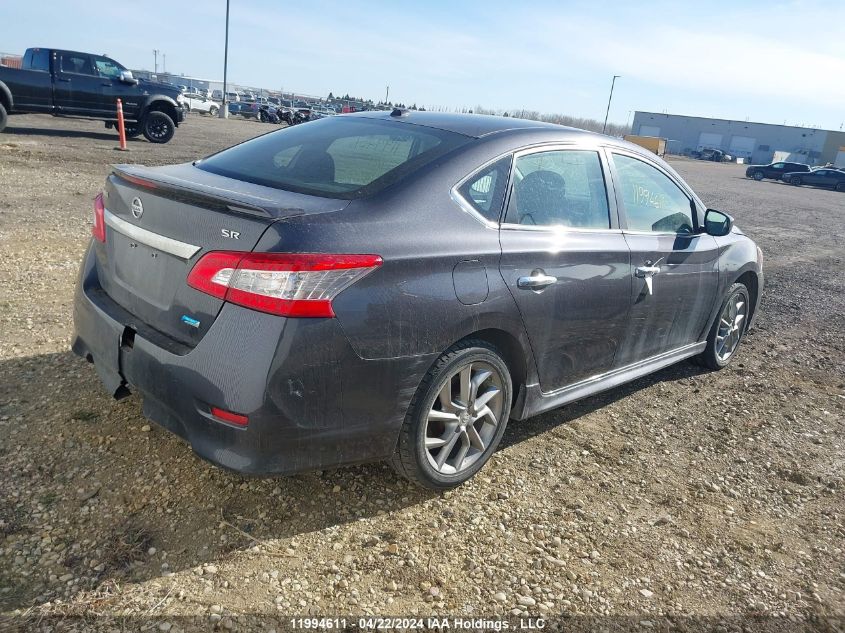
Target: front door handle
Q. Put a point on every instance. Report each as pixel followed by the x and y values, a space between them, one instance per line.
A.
pixel 536 281
pixel 647 273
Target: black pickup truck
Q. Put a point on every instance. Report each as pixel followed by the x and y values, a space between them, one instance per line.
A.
pixel 68 83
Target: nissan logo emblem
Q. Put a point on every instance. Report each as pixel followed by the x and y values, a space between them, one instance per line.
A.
pixel 137 208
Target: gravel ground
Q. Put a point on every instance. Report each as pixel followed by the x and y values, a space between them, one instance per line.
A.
pixel 686 493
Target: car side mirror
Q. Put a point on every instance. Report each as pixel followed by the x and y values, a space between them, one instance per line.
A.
pixel 717 224
pixel 127 78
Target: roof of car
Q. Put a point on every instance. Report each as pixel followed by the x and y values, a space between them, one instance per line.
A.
pixel 475 125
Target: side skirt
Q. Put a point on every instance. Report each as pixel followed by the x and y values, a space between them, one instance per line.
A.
pixel 537 402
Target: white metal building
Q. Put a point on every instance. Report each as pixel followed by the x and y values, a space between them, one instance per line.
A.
pixel 754 142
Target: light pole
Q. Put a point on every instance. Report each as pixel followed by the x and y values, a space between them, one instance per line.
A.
pixel 609 99
pixel 386 95
pixel 224 110
pixel 155 61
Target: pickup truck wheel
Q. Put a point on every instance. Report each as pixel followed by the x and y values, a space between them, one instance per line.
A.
pixel 133 129
pixel 158 127
pixel 213 110
pixel 4 118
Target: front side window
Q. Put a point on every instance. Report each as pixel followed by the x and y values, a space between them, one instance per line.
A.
pixel 559 188
pixel 652 201
pixel 107 67
pixel 336 157
pixel 485 190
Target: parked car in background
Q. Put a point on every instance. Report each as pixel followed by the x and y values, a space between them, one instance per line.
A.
pixel 233 97
pixel 72 83
pixel 239 108
pixel 774 171
pixel 398 286
pixel 712 154
pixel 217 95
pixel 827 177
pixel 197 103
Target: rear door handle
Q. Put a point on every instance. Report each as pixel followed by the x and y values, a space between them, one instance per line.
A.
pixel 536 281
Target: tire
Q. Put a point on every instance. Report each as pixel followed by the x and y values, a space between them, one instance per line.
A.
pixel 133 130
pixel 158 127
pixel 728 328
pixel 758 176
pixel 4 118
pixel 471 369
pixel 796 180
pixel 213 110
pixel 839 187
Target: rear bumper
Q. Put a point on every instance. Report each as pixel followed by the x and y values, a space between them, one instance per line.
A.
pixel 311 401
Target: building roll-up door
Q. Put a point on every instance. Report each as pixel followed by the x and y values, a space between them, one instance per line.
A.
pixel 742 146
pixel 840 158
pixel 649 130
pixel 709 140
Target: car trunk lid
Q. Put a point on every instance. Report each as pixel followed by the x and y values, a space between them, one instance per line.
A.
pixel 160 221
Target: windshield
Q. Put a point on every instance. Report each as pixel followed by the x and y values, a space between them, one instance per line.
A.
pixel 337 157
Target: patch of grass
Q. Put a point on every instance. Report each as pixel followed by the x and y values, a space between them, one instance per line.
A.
pixel 127 544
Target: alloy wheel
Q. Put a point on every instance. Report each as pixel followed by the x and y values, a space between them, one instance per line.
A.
pixel 731 326
pixel 464 417
pixel 158 129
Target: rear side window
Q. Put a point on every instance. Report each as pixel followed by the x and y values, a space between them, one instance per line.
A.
pixel 485 190
pixel 77 63
pixel 559 188
pixel 39 59
pixel 337 157
pixel 652 201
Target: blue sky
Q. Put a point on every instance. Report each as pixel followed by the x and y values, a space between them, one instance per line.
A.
pixel 782 60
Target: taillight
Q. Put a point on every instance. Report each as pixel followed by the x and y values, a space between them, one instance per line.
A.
pixel 99 228
pixel 287 284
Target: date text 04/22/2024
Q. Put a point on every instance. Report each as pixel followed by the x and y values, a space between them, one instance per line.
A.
pixel 375 623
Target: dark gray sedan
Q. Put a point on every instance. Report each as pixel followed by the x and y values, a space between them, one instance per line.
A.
pixel 397 286
pixel 828 177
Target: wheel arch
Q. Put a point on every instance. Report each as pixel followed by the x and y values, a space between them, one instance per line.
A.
pixel 750 280
pixel 162 104
pixel 6 97
pixel 518 360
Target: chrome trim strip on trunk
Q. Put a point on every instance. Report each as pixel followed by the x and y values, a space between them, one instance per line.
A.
pixel 153 240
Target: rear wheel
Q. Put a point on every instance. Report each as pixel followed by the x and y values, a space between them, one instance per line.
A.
pixel 841 187
pixel 728 330
pixel 158 127
pixel 796 180
pixel 133 129
pixel 457 417
pixel 758 175
pixel 4 118
pixel 213 110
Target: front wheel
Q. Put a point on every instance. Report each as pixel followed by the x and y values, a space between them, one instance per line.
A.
pixel 796 180
pixel 758 176
pixel 457 417
pixel 213 110
pixel 728 330
pixel 840 187
pixel 158 127
pixel 4 118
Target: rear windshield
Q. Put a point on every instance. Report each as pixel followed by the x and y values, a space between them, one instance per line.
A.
pixel 335 157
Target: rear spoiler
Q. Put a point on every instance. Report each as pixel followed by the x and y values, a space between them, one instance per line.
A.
pixel 180 191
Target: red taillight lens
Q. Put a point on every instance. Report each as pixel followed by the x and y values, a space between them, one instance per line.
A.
pixel 99 228
pixel 287 284
pixel 228 416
